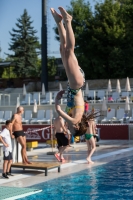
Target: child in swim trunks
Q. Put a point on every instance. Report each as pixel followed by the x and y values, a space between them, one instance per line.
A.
pixel 90 139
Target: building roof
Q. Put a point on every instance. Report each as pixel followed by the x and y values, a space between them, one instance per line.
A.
pixel 5 64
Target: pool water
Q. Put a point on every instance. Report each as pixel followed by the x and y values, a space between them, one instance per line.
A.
pixel 110 181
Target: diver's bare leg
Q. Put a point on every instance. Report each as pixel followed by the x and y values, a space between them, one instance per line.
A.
pixel 61 30
pixel 71 63
pixel 93 148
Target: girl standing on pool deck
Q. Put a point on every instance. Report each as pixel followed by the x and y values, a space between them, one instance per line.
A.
pixel 91 145
pixel 75 103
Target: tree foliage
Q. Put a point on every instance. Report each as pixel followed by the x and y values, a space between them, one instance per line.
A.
pixel 104 37
pixel 25 46
pixel 52 66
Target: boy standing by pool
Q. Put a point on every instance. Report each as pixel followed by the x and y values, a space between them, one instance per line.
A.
pixel 5 138
pixel 59 132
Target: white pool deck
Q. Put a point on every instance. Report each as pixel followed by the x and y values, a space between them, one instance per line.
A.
pixel 75 156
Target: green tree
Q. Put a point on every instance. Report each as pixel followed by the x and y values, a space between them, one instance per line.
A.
pixel 1 68
pixel 104 38
pixel 25 46
pixel 107 35
pixel 98 37
pixel 8 72
pixel 127 43
pixel 5 71
pixel 52 67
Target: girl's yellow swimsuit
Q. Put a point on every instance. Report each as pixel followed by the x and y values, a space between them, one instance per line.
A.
pixel 70 97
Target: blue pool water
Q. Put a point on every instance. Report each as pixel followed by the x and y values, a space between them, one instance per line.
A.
pixel 112 181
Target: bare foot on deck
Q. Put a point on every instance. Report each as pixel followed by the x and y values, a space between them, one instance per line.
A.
pixel 65 15
pixel 29 162
pixel 57 17
pixel 90 161
pixel 57 157
pixel 63 160
pixel 26 162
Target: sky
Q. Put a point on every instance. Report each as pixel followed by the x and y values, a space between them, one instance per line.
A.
pixel 11 10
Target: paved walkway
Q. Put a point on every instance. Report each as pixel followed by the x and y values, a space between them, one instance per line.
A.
pixel 76 161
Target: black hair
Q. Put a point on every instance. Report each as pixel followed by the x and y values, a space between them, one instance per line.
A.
pixel 83 124
pixel 8 122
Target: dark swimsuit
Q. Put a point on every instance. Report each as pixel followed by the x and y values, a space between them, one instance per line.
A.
pixel 19 133
pixel 61 139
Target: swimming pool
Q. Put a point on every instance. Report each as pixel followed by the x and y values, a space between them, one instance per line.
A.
pixel 110 181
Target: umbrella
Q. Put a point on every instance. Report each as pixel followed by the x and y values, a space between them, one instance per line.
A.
pixel 127 106
pixel 35 106
pixel 127 87
pixel 60 87
pixel 29 98
pixel 17 104
pixel 118 87
pixel 109 86
pixel 86 89
pixel 24 90
pixel 43 90
pixel 104 106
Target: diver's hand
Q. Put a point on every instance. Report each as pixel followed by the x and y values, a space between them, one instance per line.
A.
pixel 59 94
pixel 57 104
pixel 57 107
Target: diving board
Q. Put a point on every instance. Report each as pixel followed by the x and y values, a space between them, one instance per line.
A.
pixel 38 166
